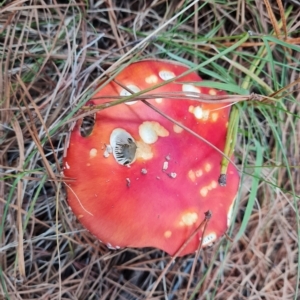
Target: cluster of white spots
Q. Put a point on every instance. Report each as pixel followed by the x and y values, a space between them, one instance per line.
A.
pixel 67 166
pixel 149 131
pixel 166 75
pixel 108 151
pixel 214 117
pixel 193 175
pixel 229 214
pixel 177 129
pixel 126 93
pixel 212 92
pixel 143 151
pixel 188 219
pixel 152 79
pixel 158 100
pixel 198 173
pixel 93 152
pixel 204 190
pixel 167 234
pixel 190 88
pixel 209 239
pixel 199 113
pixel 166 166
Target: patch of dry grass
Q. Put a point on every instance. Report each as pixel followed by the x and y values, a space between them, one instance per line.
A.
pixel 52 55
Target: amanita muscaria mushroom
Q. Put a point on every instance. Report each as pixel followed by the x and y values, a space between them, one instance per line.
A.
pixel 139 179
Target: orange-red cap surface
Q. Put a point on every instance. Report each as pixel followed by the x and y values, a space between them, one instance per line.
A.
pixel 139 179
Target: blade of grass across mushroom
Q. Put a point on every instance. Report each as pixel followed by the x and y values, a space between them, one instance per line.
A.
pixel 189 71
pixel 233 123
pixel 228 150
pixel 140 96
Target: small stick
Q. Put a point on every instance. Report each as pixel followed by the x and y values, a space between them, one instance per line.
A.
pixel 202 224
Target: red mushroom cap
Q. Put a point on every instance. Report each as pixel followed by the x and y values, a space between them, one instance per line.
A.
pixel 141 180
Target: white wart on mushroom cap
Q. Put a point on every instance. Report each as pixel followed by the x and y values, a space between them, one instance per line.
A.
pixel 157 181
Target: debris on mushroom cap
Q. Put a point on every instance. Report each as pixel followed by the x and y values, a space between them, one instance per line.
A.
pixel 160 180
